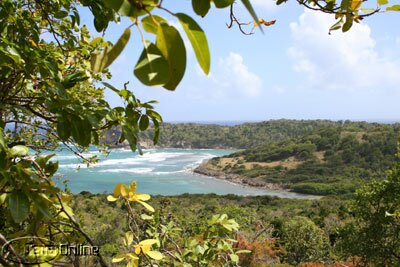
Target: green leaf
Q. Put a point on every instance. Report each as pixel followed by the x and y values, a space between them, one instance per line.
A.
pixel 19 206
pixel 42 160
pixel 143 122
pixel 73 79
pixel 126 8
pixel 171 45
pixel 100 23
pixel 42 204
pixel 223 3
pixel 243 251
pixel 345 4
pixel 61 14
pixel 369 10
pixel 130 134
pixel 147 206
pixel 3 198
pixel 63 128
pixel 234 258
pixel 250 8
pixel 81 131
pixel 278 2
pixel 122 7
pixel 198 40
pixel 154 115
pixel 393 8
pixel 382 2
pixel 100 62
pixel 150 23
pixel 3 151
pixel 349 22
pixel 201 7
pixel 156 131
pixel 14 55
pixel 154 255
pixel 128 238
pixel 67 212
pixel 152 68
pixel 118 258
pixel 19 151
pixel 336 26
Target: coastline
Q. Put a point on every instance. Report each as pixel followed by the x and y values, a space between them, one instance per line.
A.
pixel 237 179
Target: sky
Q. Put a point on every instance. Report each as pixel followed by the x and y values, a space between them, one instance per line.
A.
pixel 294 70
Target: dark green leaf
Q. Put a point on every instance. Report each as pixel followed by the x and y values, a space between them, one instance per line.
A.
pixel 223 3
pixel 153 114
pixel 19 206
pixel 51 168
pixel 130 134
pixel 171 45
pixel 100 62
pixel 349 22
pixel 73 79
pixel 198 40
pixel 100 23
pixel 345 4
pixel 61 14
pixel 143 122
pixel 2 141
pixel 201 7
pixel 41 161
pixel 81 131
pixel 125 8
pixel 156 131
pixel 42 205
pixel 63 128
pixel 152 68
pixel 3 149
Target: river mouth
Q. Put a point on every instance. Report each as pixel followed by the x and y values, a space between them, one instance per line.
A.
pixel 166 171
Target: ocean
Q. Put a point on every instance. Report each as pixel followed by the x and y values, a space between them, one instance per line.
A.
pixel 157 172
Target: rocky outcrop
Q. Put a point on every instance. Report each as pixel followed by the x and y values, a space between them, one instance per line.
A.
pixel 235 178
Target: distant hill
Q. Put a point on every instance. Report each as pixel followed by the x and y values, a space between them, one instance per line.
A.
pixel 247 135
pixel 329 160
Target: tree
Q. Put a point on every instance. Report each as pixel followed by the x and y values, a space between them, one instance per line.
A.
pixel 304 241
pixel 52 80
pixel 374 233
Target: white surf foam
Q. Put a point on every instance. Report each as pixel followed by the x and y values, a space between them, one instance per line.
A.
pixel 132 170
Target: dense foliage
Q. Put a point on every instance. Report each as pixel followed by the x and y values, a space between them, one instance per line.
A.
pixel 333 160
pixel 244 135
pixel 52 79
pixel 264 225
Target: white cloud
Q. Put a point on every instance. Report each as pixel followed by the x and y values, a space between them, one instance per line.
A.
pixel 231 78
pixel 340 60
pixel 235 75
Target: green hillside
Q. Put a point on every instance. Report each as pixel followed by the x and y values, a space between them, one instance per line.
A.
pixel 247 135
pixel 332 160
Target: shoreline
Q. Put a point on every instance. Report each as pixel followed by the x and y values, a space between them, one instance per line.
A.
pixel 238 179
pixel 255 184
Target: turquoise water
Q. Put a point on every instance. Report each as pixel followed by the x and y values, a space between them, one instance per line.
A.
pixel 157 172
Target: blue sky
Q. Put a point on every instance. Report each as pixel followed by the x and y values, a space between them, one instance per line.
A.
pixel 295 70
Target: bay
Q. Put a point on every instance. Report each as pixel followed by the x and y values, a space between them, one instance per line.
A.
pixel 157 172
